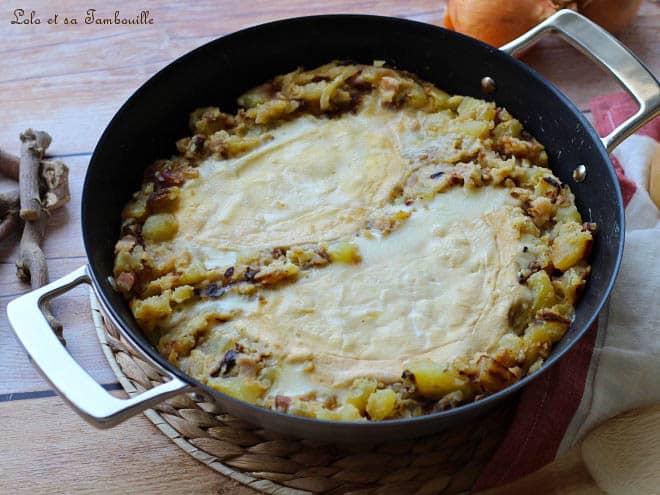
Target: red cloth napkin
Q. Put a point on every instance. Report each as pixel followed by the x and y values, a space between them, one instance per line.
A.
pixel 615 365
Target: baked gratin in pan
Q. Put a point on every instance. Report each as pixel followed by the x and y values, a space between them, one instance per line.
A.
pixel 147 127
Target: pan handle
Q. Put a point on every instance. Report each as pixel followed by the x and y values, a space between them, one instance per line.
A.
pixel 611 55
pixel 74 384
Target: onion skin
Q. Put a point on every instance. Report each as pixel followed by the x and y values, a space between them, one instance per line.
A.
pixel 497 22
pixel 613 15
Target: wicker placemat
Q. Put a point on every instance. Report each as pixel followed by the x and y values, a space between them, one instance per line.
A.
pixel 447 463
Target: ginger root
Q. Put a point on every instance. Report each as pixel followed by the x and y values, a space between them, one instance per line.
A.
pixel 43 187
pixel 53 179
pixel 33 146
pixel 8 165
pixel 8 212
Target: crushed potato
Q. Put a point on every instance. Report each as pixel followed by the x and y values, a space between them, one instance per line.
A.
pixel 478 145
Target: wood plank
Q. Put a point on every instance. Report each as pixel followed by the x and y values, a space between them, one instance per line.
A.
pixel 203 18
pixel 33 88
pixel 70 80
pixel 580 78
pixel 63 248
pixel 74 312
pixel 125 57
pixel 11 287
pixel 49 449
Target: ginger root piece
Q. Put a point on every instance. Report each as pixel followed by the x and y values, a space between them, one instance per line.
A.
pixel 54 184
pixel 8 212
pixel 8 165
pixel 43 187
pixel 33 147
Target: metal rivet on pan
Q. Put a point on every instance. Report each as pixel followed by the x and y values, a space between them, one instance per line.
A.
pixel 488 85
pixel 580 173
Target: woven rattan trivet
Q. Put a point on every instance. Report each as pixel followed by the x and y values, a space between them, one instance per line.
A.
pixel 447 463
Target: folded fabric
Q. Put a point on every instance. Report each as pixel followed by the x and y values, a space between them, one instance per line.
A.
pixel 616 365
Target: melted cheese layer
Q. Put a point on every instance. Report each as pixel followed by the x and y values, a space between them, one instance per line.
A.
pixel 317 179
pixel 440 286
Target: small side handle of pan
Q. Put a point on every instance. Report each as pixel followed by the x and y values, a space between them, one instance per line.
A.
pixel 76 387
pixel 611 55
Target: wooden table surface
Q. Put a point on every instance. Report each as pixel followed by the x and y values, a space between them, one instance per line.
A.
pixel 69 80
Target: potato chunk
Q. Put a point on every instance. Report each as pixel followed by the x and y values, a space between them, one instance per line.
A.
pixel 381 404
pixel 544 292
pixel 511 128
pixel 151 309
pixel 160 227
pixel 344 252
pixel 127 261
pixel 473 128
pixel 241 388
pixel 347 412
pixel 567 214
pixel 571 283
pixel 136 208
pixel 571 245
pixel 360 391
pixel 545 332
pixel 192 274
pixel 182 293
pixel 276 272
pixel 433 380
pixel 471 108
pixel 493 376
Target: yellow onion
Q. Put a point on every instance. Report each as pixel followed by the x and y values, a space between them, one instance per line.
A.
pixel 499 21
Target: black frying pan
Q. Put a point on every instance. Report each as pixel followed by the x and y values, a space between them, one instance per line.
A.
pixel 147 126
